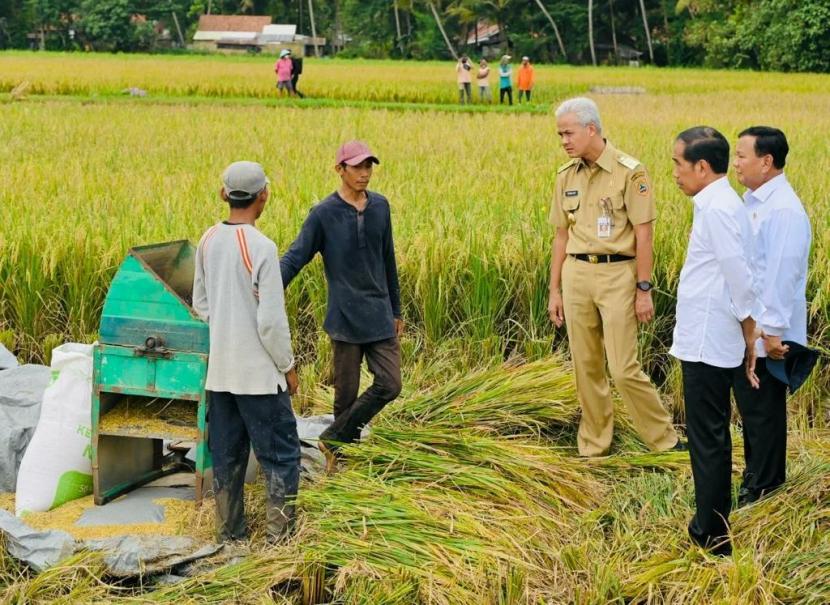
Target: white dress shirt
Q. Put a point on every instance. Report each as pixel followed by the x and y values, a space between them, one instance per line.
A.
pixel 782 245
pixel 717 289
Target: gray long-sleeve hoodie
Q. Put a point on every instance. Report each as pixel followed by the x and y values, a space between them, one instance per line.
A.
pixel 238 290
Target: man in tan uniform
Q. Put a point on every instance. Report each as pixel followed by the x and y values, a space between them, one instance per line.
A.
pixel 603 210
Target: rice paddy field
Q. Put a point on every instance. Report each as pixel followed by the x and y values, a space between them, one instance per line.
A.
pixel 469 489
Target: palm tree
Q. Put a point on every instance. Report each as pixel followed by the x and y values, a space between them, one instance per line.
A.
pixel 313 27
pixel 437 18
pixel 591 31
pixel 555 29
pixel 398 37
pixel 648 34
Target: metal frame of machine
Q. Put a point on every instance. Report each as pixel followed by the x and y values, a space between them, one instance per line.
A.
pixel 151 358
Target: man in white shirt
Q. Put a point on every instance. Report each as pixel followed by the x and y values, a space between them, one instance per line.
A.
pixel 715 329
pixel 782 236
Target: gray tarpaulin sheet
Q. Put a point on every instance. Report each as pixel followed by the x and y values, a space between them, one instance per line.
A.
pixel 138 555
pixel 137 506
pixel 123 555
pixel 134 555
pixel 7 360
pixel 21 392
pixel 40 549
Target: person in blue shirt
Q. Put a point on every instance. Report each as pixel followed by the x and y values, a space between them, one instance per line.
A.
pixel 505 80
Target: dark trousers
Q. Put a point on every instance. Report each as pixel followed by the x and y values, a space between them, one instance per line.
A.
pixel 526 93
pixel 266 423
pixel 506 91
pixel 352 413
pixel 706 390
pixel 764 417
pixel 294 81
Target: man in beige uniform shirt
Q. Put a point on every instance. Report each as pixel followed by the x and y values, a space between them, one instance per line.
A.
pixel 603 210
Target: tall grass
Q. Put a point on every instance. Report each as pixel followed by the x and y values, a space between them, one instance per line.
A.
pixel 365 80
pixel 470 196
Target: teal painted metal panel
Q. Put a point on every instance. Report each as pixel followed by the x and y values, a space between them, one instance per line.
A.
pixel 182 374
pixel 153 289
pixel 153 344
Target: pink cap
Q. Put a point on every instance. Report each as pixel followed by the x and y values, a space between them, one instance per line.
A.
pixel 354 152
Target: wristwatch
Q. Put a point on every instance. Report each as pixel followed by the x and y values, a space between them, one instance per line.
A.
pixel 645 286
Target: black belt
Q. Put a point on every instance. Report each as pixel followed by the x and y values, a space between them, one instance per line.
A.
pixel 602 258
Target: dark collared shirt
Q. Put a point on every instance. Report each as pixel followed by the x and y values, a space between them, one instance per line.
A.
pixel 359 261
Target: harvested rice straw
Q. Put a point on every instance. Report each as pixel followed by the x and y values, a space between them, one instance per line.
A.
pixel 181 517
pixel 172 418
pixel 7 502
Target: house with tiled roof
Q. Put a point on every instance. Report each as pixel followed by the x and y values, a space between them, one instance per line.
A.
pixel 251 33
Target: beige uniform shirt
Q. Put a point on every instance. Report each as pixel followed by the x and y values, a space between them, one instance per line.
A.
pixel 600 204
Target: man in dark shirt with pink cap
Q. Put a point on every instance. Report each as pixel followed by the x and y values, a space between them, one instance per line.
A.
pixel 352 230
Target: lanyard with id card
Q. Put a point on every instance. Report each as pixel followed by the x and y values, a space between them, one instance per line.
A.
pixel 605 221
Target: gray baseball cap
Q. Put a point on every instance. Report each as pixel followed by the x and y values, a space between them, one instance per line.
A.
pixel 244 180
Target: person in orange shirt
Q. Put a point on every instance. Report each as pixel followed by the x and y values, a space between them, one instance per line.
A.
pixel 526 79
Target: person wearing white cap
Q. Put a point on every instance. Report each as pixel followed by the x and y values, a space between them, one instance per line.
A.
pixel 237 290
pixel 505 80
pixel 526 79
pixel 284 69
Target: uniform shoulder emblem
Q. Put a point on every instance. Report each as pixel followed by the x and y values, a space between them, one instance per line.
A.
pixel 640 182
pixel 628 161
pixel 566 165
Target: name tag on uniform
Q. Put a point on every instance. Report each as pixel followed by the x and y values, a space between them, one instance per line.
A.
pixel 604 226
pixel 571 193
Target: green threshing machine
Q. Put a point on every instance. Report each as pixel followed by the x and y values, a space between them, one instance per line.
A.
pixel 148 397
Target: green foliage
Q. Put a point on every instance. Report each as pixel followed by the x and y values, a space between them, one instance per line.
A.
pixel 108 24
pixel 782 35
pixel 779 35
pixel 787 35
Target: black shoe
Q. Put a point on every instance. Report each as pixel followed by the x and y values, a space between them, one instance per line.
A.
pixel 748 496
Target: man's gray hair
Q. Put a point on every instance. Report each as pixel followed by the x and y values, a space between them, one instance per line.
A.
pixel 585 110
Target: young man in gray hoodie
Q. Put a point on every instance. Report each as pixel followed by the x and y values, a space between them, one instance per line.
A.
pixel 237 290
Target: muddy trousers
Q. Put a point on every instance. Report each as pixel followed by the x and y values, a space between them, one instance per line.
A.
pixel 351 413
pixel 706 392
pixel 266 423
pixel 764 418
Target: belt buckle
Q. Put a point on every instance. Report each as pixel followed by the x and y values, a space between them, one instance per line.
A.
pixel 593 259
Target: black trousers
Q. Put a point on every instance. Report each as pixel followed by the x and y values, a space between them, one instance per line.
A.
pixel 351 413
pixel 526 93
pixel 706 390
pixel 506 91
pixel 764 416
pixel 294 81
pixel 266 423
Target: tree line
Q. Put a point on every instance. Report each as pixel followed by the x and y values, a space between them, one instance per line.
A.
pixel 786 35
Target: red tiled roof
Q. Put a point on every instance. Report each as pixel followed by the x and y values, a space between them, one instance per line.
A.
pixel 233 23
